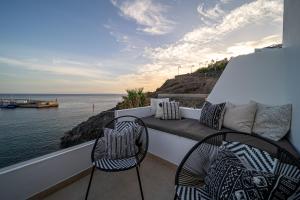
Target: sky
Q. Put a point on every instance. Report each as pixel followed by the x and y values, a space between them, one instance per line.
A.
pixel 108 46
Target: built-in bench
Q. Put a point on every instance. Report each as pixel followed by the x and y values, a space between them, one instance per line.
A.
pixel 192 129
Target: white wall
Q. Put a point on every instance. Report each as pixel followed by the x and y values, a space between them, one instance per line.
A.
pixel 270 77
pixel 260 76
pixel 291 25
pixel 168 146
pixel 26 179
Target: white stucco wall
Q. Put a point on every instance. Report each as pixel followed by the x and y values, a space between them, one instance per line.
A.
pixel 291 25
pixel 270 77
pixel 23 180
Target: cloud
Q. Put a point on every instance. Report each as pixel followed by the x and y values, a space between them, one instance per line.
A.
pixel 249 46
pixel 224 39
pixel 57 66
pixel 147 14
pixel 211 14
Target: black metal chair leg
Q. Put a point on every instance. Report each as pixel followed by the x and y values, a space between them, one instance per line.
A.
pixel 140 184
pixel 90 182
pixel 175 197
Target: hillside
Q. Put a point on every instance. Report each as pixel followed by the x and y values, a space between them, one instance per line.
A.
pixel 200 82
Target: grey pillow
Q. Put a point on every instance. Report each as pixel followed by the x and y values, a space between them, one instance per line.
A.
pixel 239 117
pixel 272 122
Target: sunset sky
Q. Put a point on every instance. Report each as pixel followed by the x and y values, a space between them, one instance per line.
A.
pixel 102 46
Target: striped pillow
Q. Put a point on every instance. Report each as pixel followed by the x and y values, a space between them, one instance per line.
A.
pixel 170 110
pixel 121 144
pixel 212 115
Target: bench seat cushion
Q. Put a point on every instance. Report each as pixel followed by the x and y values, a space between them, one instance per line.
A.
pixel 188 128
pixel 192 129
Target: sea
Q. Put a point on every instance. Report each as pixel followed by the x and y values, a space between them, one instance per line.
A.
pixel 27 133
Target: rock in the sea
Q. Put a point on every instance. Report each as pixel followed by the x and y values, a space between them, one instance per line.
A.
pixel 87 130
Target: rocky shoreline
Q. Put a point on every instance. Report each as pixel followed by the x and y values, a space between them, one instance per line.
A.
pixel 87 130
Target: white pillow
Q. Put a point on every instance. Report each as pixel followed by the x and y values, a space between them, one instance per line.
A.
pixel 240 117
pixel 154 103
pixel 159 110
pixel 272 122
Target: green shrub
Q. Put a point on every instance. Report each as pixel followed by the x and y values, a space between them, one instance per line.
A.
pixel 135 98
pixel 214 66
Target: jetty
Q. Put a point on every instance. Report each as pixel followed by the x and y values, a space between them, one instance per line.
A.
pixel 27 103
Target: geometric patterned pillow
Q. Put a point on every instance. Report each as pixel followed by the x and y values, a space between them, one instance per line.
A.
pixel 260 160
pixel 212 115
pixel 252 157
pixel 284 188
pixel 228 179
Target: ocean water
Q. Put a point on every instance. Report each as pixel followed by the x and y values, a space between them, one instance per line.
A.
pixel 27 133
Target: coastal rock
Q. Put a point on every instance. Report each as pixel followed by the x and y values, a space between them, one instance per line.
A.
pixel 87 130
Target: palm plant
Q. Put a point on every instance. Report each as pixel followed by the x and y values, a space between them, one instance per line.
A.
pixel 135 98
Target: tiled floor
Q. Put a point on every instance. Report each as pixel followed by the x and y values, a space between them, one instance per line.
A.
pixel 157 179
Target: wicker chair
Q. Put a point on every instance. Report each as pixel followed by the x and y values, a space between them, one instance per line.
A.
pixel 98 155
pixel 189 171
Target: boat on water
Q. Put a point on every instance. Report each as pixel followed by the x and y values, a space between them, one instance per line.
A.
pixel 27 103
pixel 8 106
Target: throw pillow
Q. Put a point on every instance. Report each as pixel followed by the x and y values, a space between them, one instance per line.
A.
pixel 284 188
pixel 251 157
pixel 228 179
pixel 212 115
pixel 171 110
pixel 259 160
pixel 121 144
pixel 155 101
pixel 159 111
pixel 239 117
pixel 272 122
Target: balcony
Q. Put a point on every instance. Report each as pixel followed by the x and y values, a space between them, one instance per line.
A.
pixel 157 178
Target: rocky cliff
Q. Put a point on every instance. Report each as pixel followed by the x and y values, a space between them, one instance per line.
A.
pixel 87 130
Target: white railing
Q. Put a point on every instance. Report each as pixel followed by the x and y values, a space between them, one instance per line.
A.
pixel 23 180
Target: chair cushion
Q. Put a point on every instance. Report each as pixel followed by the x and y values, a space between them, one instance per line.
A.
pixel 171 111
pixel 239 117
pixel 117 164
pixel 272 122
pixel 192 193
pixel 212 115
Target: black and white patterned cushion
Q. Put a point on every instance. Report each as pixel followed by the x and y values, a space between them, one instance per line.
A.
pixel 116 164
pixel 212 115
pixel 251 157
pixel 192 193
pixel 170 110
pixel 262 161
pixel 229 179
pixel 120 144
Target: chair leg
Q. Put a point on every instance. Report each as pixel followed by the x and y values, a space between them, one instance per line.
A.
pixel 140 184
pixel 90 182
